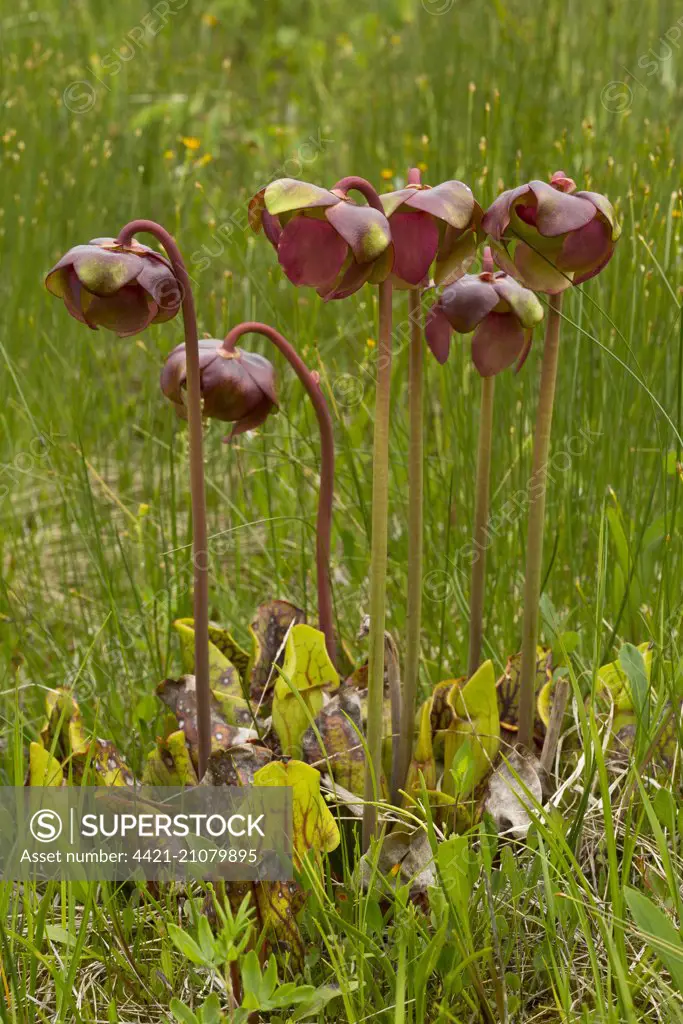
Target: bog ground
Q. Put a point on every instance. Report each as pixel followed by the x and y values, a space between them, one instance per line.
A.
pixel 181 112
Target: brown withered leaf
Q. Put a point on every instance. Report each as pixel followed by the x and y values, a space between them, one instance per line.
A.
pixel 236 765
pixel 507 800
pixel 105 763
pixel 268 630
pixel 180 696
pixel 340 729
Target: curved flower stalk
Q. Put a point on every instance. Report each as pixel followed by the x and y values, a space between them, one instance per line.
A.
pixel 325 240
pixel 549 236
pixel 502 314
pixel 124 286
pixel 311 383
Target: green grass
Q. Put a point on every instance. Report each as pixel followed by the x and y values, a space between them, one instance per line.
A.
pixel 94 504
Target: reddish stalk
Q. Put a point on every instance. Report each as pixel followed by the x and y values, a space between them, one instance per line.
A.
pixel 200 553
pixel 324 523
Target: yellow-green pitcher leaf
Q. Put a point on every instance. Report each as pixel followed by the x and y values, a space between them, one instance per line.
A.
pixel 314 828
pixel 475 706
pixel 43 768
pixel 299 689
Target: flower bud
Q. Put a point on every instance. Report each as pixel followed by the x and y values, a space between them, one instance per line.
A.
pixel 237 387
pixel 122 288
pixel 549 236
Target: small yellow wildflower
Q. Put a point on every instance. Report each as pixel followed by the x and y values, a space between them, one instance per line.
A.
pixel 169 154
pixel 387 174
pixel 190 142
pixel 210 19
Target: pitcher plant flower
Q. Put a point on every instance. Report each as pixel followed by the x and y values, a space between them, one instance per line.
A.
pixel 438 225
pixel 121 287
pixel 497 308
pixel 125 286
pixel 323 239
pixel 502 314
pixel 549 236
pixel 237 387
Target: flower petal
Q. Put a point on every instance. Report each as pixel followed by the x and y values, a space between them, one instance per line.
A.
pixel 604 206
pixel 287 194
pixel 451 201
pixel 354 277
pixel 497 217
pixel 497 343
pixel 162 285
pixel 254 419
pixel 262 373
pixel 557 212
pixel 536 272
pixel 104 273
pixel 438 334
pixel 311 252
pixel 523 303
pixel 467 302
pixel 455 257
pixel 392 200
pixel 415 237
pixel 128 312
pixel 586 247
pixel 366 230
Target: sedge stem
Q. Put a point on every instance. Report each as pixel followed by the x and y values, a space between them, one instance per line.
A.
pixel 311 383
pixel 415 542
pixel 378 566
pixel 200 553
pixel 537 496
pixel 481 518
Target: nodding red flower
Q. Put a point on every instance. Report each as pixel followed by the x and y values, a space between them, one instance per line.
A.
pixel 237 387
pixel 497 308
pixel 323 239
pixel 121 287
pixel 427 224
pixel 549 236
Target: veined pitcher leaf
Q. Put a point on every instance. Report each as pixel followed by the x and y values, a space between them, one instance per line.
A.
pixel 227 681
pixel 299 690
pixel 314 828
